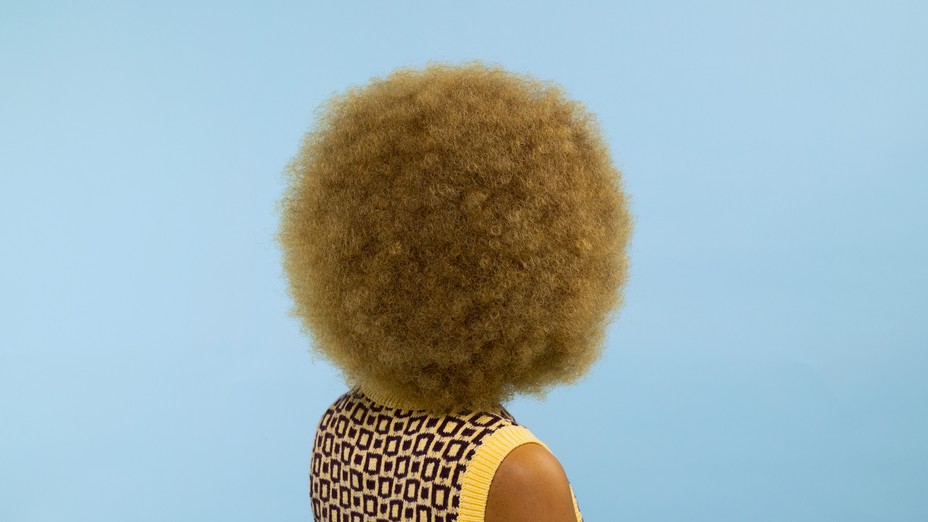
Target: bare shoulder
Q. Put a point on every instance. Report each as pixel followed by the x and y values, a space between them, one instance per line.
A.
pixel 530 485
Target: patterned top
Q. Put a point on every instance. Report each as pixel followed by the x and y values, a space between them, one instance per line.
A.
pixel 375 459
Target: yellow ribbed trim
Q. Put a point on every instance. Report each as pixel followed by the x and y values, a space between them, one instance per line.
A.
pixel 576 507
pixel 386 398
pixel 395 401
pixel 475 483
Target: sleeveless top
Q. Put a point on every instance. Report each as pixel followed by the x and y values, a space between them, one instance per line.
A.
pixel 374 460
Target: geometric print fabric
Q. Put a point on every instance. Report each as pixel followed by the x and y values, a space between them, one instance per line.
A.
pixel 373 462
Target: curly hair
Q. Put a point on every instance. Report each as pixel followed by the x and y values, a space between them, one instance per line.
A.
pixel 454 235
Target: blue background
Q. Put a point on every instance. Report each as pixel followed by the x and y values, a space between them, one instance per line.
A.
pixel 770 362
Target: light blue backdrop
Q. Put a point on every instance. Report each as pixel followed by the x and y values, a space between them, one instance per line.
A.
pixel 770 363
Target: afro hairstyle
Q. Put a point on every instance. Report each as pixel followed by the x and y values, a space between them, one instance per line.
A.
pixel 454 235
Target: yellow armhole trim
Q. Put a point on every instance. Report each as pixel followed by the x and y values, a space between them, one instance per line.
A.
pixel 475 483
pixel 576 507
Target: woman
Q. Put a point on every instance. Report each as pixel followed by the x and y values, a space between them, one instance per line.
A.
pixel 452 236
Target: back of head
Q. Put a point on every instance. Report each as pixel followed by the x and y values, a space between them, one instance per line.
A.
pixel 454 235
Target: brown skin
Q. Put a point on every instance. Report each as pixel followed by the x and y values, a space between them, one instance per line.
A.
pixel 530 486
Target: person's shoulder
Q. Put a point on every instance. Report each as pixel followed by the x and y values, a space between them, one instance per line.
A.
pixel 530 485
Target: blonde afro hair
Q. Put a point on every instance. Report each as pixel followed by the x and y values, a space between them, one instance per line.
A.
pixel 454 235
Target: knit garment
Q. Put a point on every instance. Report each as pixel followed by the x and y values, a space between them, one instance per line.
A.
pixel 375 459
